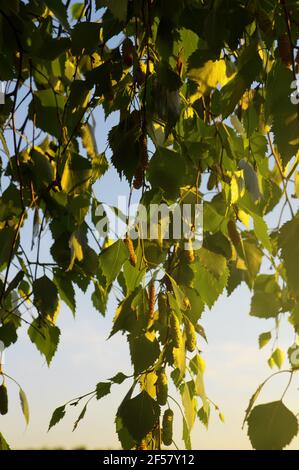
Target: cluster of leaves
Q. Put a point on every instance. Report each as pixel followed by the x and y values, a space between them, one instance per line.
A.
pixel 207 86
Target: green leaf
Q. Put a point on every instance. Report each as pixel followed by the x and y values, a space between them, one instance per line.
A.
pixel 45 296
pixel 213 262
pixel 77 10
pixel 204 416
pixel 211 218
pixel 51 48
pixel 139 415
pixel 3 444
pixel 209 288
pixel 24 289
pixel 90 264
pixel 294 318
pixel 144 351
pixel 87 133
pixel 7 236
pixel 117 7
pixel 24 405
pixel 179 359
pixel 188 42
pixel 166 170
pixel 112 258
pixel 46 109
pixel 123 141
pixel 60 11
pixel 125 318
pixel 6 109
pixel 77 173
pixel 278 357
pixel 132 275
pixel 14 282
pixel 66 289
pixel 75 244
pixel 253 259
pixel 189 404
pixel 8 333
pixel 293 356
pixel 261 231
pixel 264 339
pixel 77 102
pixel 186 435
pixel 236 276
pixel 288 242
pixel 57 416
pixel 252 401
pixel 102 389
pixel 41 168
pixel 271 426
pixel 178 293
pixel 119 378
pixel 99 298
pixel 264 305
pixel 168 78
pixel 85 38
pixel 208 76
pixel 197 366
pixel 45 336
pixel 249 66
pixel 282 111
pixel 99 166
pixel 11 203
pixel 196 307
pixel 4 144
pixel 271 362
pixel 126 440
pixel 80 417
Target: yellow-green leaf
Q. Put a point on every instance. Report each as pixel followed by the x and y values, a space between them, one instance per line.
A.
pixel 264 339
pixel 208 76
pixel 278 357
pixel 76 249
pixel 24 405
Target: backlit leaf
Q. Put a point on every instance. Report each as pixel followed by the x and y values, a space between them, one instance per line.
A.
pixel 139 415
pixel 57 416
pixel 45 336
pixel 45 296
pixel 271 426
pixel 112 258
pixel 24 405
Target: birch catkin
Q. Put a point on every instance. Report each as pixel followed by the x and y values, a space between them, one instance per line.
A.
pixel 130 246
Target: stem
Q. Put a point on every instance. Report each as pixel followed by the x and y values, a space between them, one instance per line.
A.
pixel 288 385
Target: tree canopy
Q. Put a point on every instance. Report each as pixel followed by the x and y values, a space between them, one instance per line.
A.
pixel 205 95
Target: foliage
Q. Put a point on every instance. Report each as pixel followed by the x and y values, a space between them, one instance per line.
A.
pixel 202 94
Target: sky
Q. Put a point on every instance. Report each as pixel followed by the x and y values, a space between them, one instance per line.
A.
pixel 235 366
